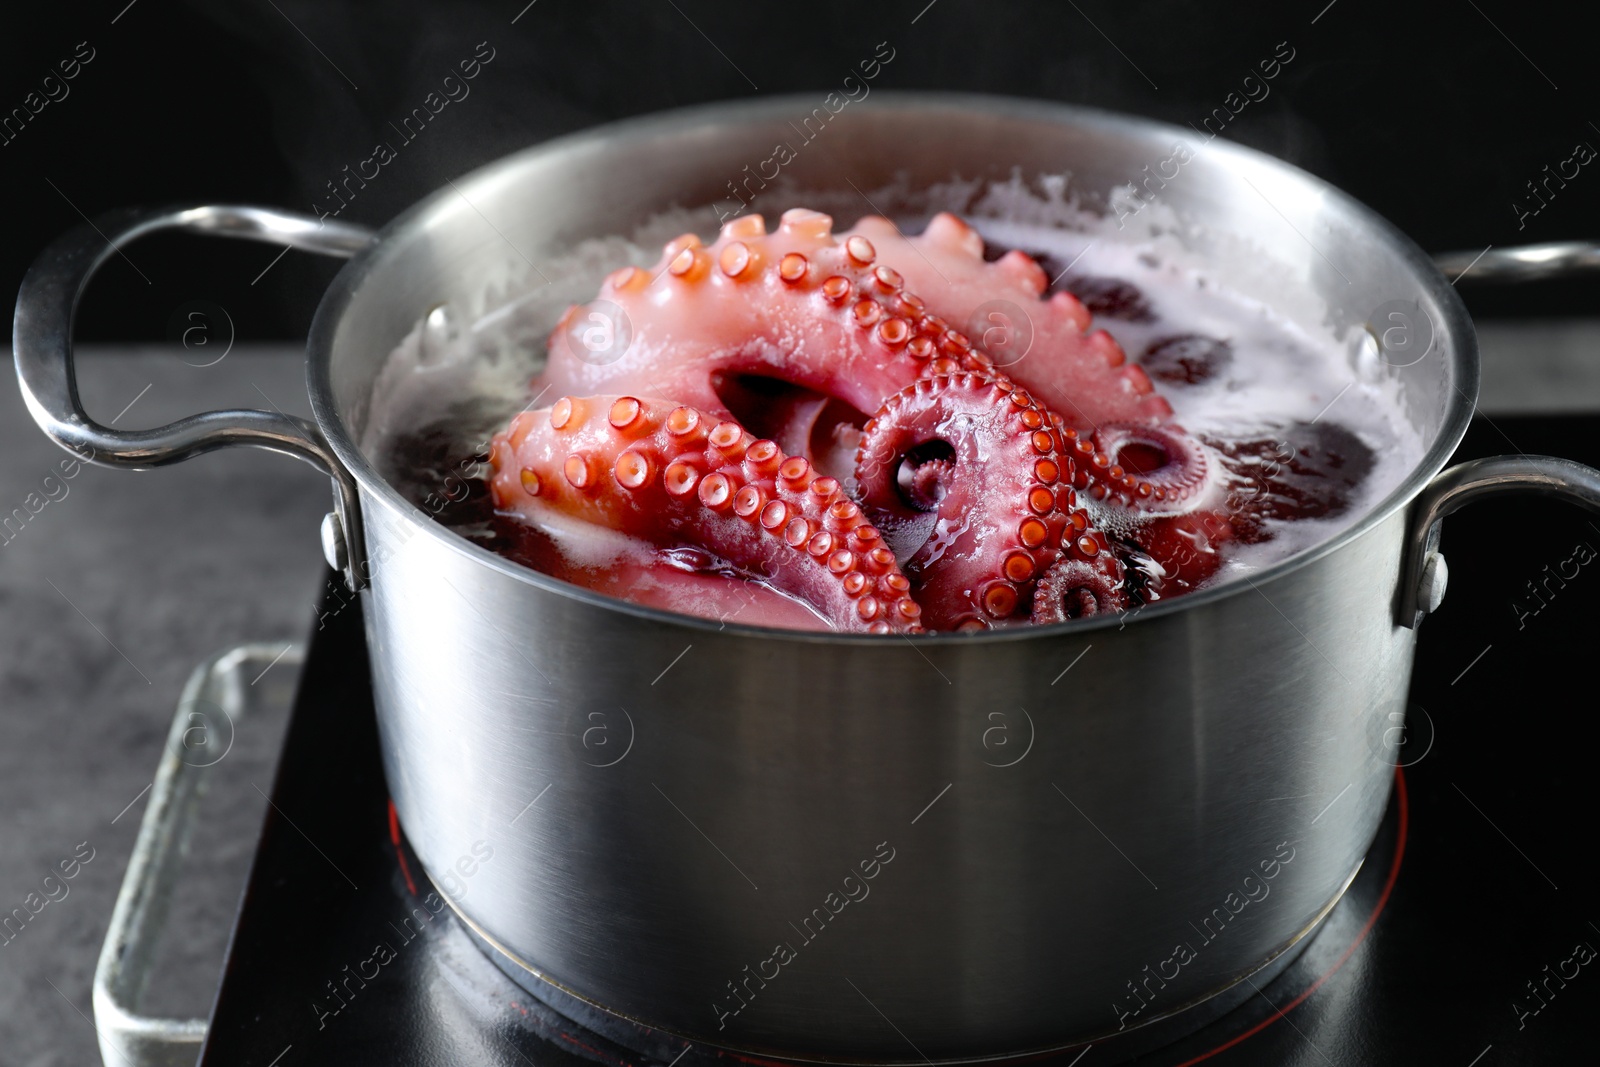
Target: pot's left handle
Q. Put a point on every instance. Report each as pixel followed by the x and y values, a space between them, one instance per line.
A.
pixel 1422 580
pixel 47 305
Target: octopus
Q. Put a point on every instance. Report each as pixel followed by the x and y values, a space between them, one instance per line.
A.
pixel 798 413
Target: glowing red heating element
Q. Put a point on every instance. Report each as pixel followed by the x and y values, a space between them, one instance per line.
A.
pixel 796 409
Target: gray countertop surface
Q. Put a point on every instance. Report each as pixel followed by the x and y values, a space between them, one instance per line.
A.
pixel 109 597
pixel 111 594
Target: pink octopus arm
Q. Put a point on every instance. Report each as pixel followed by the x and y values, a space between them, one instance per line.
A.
pixel 796 305
pixel 671 475
pixel 1081 373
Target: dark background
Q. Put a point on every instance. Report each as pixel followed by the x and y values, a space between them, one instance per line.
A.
pixel 1428 112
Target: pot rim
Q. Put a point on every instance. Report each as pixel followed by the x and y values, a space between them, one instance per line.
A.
pixel 1457 326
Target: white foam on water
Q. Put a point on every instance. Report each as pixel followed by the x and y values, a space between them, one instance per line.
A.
pixel 1280 373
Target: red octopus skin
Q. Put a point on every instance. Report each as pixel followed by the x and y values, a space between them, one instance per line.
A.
pixel 1173 472
pixel 675 476
pixel 1006 509
pixel 1081 373
pixel 1078 586
pixel 798 305
pixel 687 580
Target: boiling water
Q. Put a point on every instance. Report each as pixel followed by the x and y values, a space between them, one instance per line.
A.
pixel 1240 375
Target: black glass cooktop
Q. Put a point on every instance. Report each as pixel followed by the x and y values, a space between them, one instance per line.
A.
pixel 1468 938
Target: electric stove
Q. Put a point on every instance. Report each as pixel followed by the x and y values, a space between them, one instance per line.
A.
pixel 1468 936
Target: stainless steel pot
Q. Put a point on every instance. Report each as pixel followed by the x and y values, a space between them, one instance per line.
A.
pixel 852 847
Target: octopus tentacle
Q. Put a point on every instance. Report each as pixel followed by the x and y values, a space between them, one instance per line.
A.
pixel 676 476
pixel 1001 502
pixel 821 312
pixel 1081 372
pixel 1079 585
pixel 986 472
pixel 1152 469
pixel 1168 516
pixel 799 305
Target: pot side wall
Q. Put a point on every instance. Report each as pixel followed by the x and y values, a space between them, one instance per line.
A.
pixel 1131 805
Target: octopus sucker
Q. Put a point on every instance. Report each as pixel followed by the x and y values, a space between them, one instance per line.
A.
pixel 830 414
pixel 674 477
pixel 1149 468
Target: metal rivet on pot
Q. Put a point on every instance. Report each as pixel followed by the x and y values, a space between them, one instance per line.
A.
pixel 1431 586
pixel 333 546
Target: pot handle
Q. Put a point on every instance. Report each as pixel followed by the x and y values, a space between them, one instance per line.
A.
pixel 1521 263
pixel 1424 574
pixel 1423 577
pixel 47 305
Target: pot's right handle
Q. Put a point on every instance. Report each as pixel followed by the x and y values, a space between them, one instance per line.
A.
pixel 1521 263
pixel 1422 579
pixel 47 305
